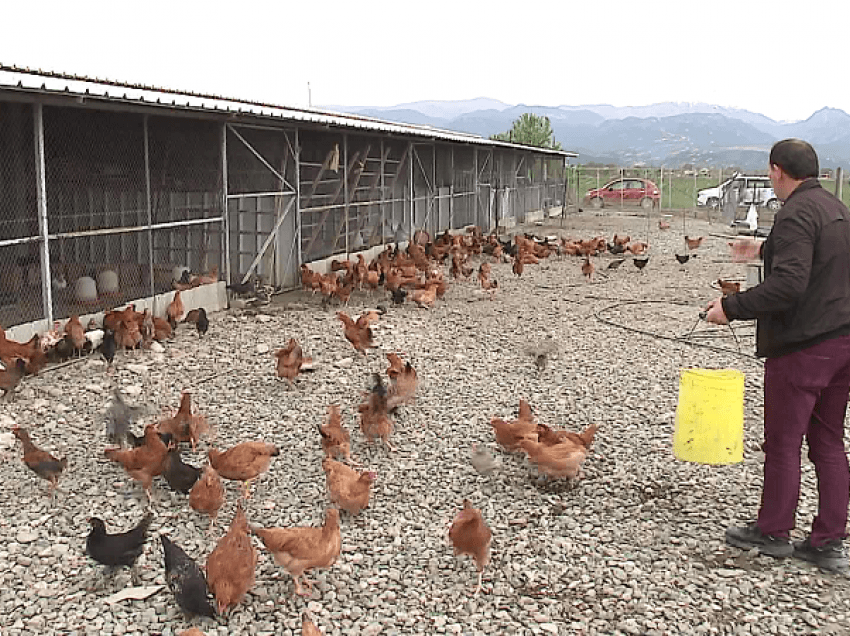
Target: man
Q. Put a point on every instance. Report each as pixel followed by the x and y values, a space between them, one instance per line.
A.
pixel 803 331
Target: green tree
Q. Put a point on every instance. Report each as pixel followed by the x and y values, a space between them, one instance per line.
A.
pixel 530 130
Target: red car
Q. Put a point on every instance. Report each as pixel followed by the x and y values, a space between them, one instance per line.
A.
pixel 626 191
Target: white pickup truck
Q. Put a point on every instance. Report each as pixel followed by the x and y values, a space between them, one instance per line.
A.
pixel 756 189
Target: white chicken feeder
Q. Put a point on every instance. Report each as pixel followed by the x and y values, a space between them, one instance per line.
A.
pixel 107 282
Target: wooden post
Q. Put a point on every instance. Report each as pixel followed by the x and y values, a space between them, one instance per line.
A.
pixel 839 178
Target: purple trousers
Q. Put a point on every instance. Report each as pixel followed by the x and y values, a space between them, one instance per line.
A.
pixel 805 395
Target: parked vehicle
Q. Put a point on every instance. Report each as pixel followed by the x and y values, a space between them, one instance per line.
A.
pixel 625 191
pixel 751 189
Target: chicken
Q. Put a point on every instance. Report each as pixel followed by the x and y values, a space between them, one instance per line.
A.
pixel 470 535
pixel 143 463
pixel 638 248
pixel 231 566
pixel 728 287
pixel 663 225
pixel 10 378
pixel 549 437
pixel 518 266
pixel 127 333
pixel 147 329
pixel 347 488
pixel 119 549
pixel 509 434
pixel 640 263
pixel 186 581
pixel 587 268
pixel 308 627
pixel 162 329
pixel 683 258
pixel 374 418
pixel 693 243
pixel 300 549
pixel 403 388
pixel 396 366
pixel 207 495
pixel 622 241
pixel 31 351
pixel 559 460
pixel 184 426
pixel 359 335
pixel 290 360
pixel 483 461
pixel 74 329
pixel 179 476
pixel 198 317
pixel 205 279
pixel 336 442
pixel 40 462
pixel 119 416
pixel 194 631
pixel 108 347
pixel 244 462
pixel 425 297
pixel 175 310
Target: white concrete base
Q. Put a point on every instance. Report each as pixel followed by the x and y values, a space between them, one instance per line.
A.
pixel 211 297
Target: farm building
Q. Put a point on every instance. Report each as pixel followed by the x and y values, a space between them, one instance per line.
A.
pixel 108 191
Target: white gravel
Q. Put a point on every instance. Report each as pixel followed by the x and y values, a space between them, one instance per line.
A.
pixel 635 548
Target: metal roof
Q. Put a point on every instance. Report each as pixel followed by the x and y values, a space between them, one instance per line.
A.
pixel 25 80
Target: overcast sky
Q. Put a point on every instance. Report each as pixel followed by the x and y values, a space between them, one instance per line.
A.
pixel 782 62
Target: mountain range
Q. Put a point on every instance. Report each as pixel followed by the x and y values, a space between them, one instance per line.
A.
pixel 671 134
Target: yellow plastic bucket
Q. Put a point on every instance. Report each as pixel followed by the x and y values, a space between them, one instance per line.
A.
pixel 710 416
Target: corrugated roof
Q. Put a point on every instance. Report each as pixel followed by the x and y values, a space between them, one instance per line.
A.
pixel 14 78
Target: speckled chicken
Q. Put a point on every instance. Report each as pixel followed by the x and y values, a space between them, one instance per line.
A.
pixel 186 580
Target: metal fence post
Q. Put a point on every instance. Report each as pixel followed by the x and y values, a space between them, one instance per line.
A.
pixel 298 194
pixel 41 191
pixel 345 188
pixel 224 212
pixel 149 206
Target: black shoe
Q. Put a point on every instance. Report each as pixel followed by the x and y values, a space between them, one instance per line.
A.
pixel 831 556
pixel 749 537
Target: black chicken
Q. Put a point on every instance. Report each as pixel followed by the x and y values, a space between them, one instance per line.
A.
pixel 186 581
pixel 120 549
pixel 398 295
pixel 203 323
pixel 616 249
pixel 108 346
pixel 640 263
pixel 179 475
pixel 684 258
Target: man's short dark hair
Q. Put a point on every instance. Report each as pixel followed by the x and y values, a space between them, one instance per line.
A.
pixel 796 157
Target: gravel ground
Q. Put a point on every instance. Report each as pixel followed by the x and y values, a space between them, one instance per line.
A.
pixel 636 547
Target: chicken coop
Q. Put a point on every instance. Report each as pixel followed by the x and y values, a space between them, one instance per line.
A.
pixel 111 191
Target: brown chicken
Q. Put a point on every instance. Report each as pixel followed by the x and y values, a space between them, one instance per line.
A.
pixel 128 334
pixel 587 268
pixel 231 566
pixel 622 241
pixel 175 310
pixel 207 495
pixel 205 279
pixel 336 442
pixel 693 243
pixel 559 460
pixel 10 377
pixel 300 549
pixel 518 266
pixel 290 360
pixel 728 287
pixel 425 297
pixel 359 335
pixel 244 462
pixel 308 627
pixel 41 462
pixel 348 488
pixel 510 434
pixel 162 329
pixel 194 631
pixel 549 437
pixel 184 426
pixel 74 329
pixel 470 535
pixel 374 418
pixel 663 225
pixel 403 387
pixel 396 366
pixel 30 351
pixel 637 248
pixel 145 462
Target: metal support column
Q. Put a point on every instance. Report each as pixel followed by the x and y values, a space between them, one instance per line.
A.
pixel 41 192
pixel 410 150
pixel 477 201
pixel 149 208
pixel 345 188
pixel 451 188
pixel 298 194
pixel 383 194
pixel 224 211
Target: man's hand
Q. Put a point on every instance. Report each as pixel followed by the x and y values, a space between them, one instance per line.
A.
pixel 745 250
pixel 715 314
